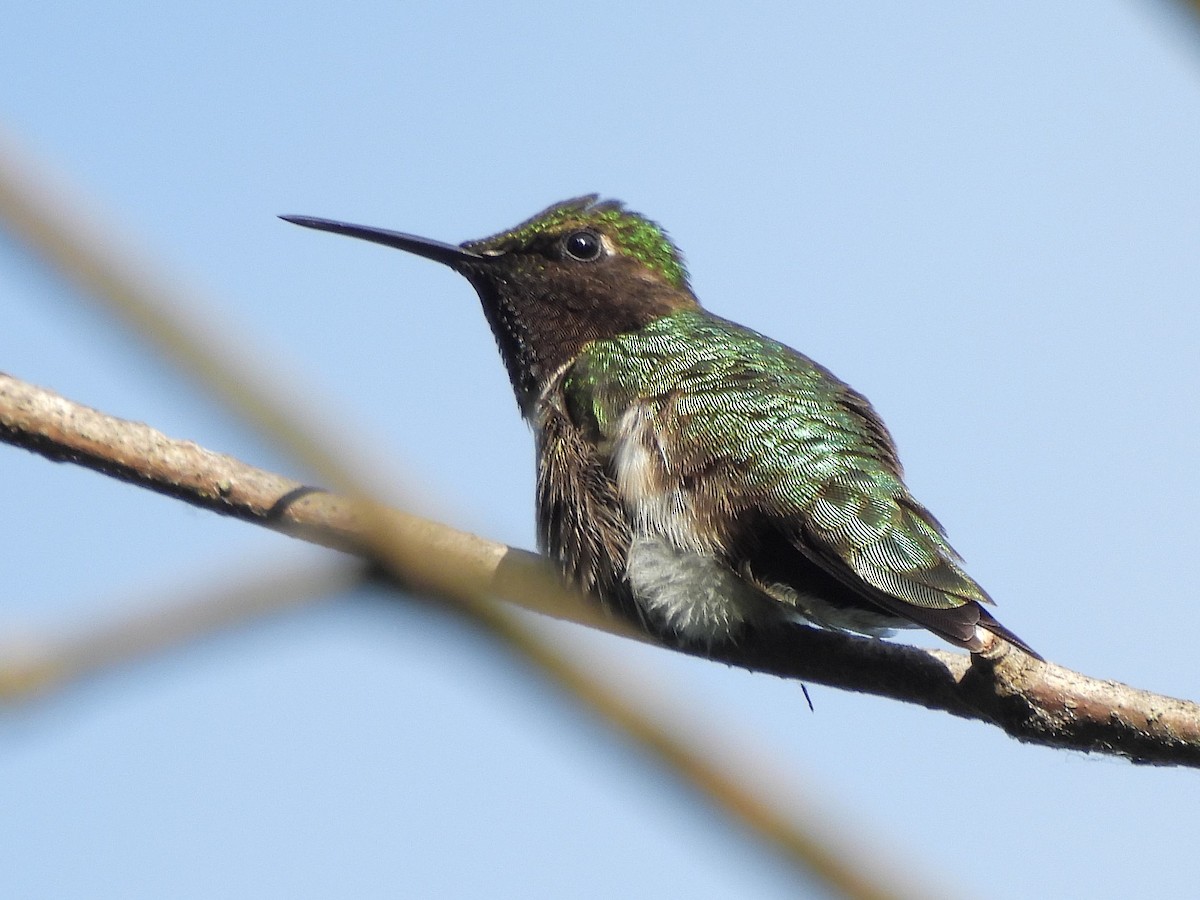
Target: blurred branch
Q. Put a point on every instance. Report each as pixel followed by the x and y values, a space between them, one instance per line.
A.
pixel 60 430
pixel 417 554
pixel 1035 702
pixel 30 667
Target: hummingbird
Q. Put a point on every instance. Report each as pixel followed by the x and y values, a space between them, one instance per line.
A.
pixel 696 476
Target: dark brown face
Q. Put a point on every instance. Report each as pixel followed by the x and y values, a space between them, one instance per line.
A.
pixel 550 295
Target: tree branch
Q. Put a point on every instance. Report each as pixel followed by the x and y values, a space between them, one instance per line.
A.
pixel 1035 702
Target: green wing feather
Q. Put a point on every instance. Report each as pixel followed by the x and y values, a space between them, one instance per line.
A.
pixel 760 436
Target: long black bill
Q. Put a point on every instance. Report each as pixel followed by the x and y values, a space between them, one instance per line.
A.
pixel 447 254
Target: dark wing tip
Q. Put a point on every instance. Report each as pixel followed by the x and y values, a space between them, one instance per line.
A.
pixel 957 624
pixel 988 623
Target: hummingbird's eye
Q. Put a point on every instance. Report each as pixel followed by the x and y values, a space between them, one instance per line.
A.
pixel 583 245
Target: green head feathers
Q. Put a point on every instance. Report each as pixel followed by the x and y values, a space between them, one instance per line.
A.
pixel 630 232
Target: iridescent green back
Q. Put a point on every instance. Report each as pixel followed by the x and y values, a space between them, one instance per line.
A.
pixel 802 447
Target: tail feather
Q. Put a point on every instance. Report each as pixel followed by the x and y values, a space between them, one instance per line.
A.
pixel 988 622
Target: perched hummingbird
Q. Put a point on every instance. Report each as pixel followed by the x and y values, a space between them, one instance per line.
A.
pixel 691 473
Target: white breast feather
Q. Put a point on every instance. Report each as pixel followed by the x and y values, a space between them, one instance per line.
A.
pixel 672 569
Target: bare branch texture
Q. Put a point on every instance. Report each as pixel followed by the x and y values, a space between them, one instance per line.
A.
pixel 1032 701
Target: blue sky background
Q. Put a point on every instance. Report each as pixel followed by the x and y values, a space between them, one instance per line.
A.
pixel 985 218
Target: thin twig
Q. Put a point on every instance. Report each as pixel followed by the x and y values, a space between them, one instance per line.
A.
pixel 1036 702
pixel 31 668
